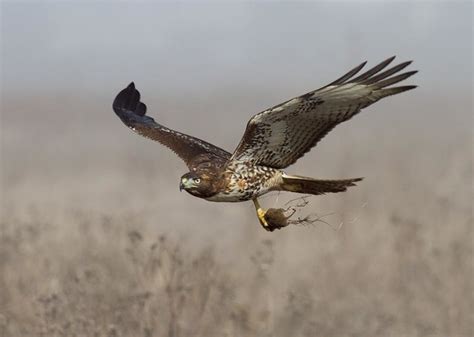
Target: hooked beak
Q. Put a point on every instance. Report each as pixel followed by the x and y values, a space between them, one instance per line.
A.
pixel 183 184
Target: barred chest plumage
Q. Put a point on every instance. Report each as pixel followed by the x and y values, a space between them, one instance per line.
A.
pixel 246 182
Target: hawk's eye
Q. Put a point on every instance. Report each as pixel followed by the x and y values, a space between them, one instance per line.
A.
pixel 197 180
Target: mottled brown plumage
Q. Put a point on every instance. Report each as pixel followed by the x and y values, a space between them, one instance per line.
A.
pixel 273 140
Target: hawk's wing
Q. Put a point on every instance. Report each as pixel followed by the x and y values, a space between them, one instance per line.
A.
pixel 277 137
pixel 192 150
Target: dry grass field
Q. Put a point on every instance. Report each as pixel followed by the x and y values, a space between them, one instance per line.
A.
pixel 97 240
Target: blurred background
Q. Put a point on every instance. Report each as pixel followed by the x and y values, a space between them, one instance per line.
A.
pixel 97 240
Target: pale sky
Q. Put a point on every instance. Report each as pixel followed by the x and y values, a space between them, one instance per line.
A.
pixel 189 47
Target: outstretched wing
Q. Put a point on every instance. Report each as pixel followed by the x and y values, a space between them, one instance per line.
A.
pixel 277 137
pixel 192 150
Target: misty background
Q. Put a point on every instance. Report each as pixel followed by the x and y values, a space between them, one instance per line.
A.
pixel 204 69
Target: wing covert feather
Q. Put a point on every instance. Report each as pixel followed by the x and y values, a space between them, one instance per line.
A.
pixel 279 136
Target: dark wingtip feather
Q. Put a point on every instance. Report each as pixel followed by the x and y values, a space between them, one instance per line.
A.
pixel 389 60
pixel 348 75
pixel 395 79
pixel 405 87
pixel 128 101
pixel 352 182
pixel 141 109
pixel 397 90
pixel 389 72
pixel 374 70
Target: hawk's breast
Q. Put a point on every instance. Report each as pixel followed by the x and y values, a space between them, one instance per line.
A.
pixel 247 182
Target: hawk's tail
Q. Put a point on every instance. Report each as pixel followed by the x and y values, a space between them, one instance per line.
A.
pixel 306 185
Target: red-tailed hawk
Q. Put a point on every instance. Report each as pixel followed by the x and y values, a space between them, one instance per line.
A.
pixel 273 140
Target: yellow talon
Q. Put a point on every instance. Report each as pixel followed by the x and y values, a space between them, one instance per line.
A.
pixel 261 217
pixel 261 214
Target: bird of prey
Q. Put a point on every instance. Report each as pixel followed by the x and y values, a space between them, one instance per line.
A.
pixel 273 139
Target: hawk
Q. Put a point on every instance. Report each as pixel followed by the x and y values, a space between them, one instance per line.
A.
pixel 273 139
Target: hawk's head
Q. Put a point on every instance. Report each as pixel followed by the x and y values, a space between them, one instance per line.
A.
pixel 197 184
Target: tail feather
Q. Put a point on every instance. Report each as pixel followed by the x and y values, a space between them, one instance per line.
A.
pixel 307 185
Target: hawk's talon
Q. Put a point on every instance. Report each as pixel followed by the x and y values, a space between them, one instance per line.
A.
pixel 261 217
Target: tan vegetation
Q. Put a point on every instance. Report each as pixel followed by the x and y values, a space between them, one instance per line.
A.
pixel 96 240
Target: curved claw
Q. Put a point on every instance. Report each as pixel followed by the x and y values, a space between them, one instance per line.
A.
pixel 261 217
